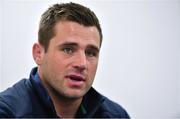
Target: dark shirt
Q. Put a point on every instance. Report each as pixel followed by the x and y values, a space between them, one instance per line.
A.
pixel 28 98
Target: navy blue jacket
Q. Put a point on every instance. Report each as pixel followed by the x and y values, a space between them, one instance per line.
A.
pixel 28 98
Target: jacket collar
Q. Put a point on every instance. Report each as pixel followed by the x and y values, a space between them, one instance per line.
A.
pixel 92 102
pixel 42 92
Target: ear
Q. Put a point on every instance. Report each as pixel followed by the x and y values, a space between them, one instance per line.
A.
pixel 38 53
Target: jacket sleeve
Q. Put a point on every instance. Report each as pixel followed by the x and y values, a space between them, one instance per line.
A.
pixel 4 110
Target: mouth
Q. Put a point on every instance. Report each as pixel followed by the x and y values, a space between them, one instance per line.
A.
pixel 76 77
pixel 75 80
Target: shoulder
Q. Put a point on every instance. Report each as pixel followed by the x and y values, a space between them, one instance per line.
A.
pixel 112 109
pixel 15 99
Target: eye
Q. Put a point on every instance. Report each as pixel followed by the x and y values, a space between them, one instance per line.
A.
pixel 91 53
pixel 68 50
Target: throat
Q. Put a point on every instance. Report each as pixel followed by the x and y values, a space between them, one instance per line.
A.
pixel 67 109
pixel 64 107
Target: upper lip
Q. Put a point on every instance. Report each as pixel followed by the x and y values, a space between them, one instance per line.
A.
pixel 76 77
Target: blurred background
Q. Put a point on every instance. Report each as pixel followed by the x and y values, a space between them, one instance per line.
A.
pixel 139 65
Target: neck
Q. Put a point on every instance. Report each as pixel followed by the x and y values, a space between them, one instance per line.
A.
pixel 66 108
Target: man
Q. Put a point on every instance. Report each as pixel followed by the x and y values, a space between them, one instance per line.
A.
pixel 66 55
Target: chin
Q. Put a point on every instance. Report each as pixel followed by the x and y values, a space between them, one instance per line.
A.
pixel 75 94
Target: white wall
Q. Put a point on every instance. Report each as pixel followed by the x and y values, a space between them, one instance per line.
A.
pixel 140 57
pixel 0 45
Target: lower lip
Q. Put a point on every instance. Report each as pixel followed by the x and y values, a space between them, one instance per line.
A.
pixel 74 83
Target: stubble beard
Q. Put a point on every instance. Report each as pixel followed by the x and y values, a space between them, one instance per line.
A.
pixel 66 94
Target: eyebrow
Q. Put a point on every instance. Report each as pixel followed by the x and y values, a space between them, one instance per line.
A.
pixel 68 44
pixel 93 47
pixel 76 44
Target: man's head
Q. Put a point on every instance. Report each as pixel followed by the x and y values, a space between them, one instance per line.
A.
pixel 68 50
pixel 65 12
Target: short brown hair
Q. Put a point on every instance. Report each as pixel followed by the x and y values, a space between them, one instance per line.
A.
pixel 65 12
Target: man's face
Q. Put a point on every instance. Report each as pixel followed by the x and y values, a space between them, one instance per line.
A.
pixel 69 65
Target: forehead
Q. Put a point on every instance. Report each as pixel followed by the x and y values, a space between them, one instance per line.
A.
pixel 72 31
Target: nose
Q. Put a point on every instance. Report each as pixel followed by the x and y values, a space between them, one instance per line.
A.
pixel 80 62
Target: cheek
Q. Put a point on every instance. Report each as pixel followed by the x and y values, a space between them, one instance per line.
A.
pixel 59 64
pixel 51 63
pixel 92 69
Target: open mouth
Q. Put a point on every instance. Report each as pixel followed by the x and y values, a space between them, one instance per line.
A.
pixel 76 78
